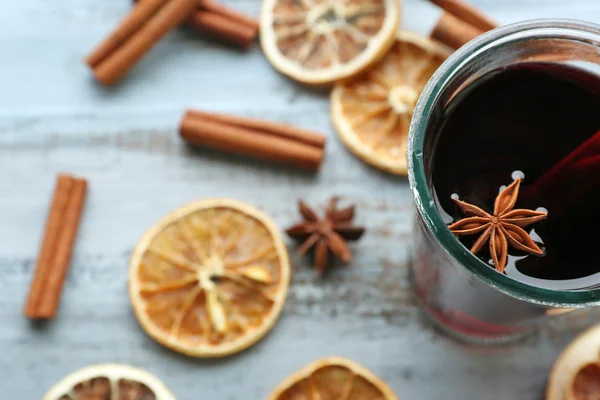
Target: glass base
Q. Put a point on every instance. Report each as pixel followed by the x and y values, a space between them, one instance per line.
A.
pixel 472 340
pixel 466 329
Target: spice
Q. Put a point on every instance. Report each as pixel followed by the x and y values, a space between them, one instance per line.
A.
pixel 225 23
pixel 57 245
pixel 460 24
pixel 569 176
pixel 327 234
pixel 500 229
pixel 467 13
pixel 147 23
pixel 262 139
pixel 454 32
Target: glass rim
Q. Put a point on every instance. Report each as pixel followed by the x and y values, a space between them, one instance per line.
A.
pixel 424 201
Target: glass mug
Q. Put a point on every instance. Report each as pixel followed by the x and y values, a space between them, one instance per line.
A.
pixel 463 295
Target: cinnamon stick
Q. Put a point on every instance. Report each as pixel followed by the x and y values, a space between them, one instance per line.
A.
pixel 220 9
pixel 454 32
pixel 57 244
pixel 467 13
pixel 580 158
pixel 128 26
pixel 570 177
pixel 254 138
pixel 234 32
pixel 275 128
pixel 149 21
pixel 224 23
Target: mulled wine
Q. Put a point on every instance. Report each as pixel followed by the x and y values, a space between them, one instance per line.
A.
pixel 539 122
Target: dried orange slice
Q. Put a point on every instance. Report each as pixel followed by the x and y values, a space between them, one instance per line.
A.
pixel 210 278
pixel 324 41
pixel 372 113
pixel 333 378
pixel 576 372
pixel 109 381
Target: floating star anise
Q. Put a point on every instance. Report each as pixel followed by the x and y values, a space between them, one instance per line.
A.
pixel 327 234
pixel 500 229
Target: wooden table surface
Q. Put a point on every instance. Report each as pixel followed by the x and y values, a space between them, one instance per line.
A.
pixel 54 118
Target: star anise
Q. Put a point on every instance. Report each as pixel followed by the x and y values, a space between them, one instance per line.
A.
pixel 327 234
pixel 500 229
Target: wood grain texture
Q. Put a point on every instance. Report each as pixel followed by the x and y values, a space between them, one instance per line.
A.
pixel 54 118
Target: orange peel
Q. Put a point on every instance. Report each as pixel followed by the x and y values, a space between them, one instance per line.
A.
pixel 372 113
pixel 576 372
pixel 210 278
pixel 323 41
pixel 333 378
pixel 109 381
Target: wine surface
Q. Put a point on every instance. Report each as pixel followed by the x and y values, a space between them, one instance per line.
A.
pixel 540 122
